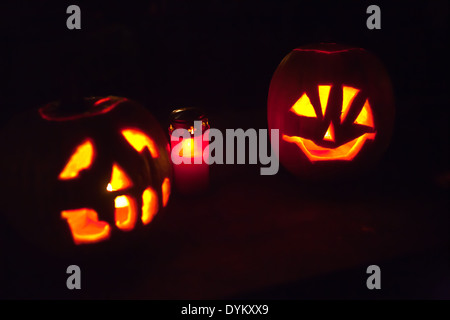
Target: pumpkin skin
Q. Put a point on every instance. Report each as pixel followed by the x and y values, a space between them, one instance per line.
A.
pixel 39 184
pixel 334 108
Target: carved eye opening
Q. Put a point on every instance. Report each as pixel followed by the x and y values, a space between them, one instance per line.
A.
pixel 81 159
pixel 365 116
pixel 303 106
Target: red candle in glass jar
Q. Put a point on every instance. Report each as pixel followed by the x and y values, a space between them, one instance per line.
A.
pixel 191 170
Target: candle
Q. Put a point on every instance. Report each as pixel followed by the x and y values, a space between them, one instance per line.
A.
pixel 192 174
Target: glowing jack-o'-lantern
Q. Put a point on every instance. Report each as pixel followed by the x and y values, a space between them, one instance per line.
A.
pixel 334 108
pixel 86 176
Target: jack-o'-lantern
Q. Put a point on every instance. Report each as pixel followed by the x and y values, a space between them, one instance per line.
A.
pixel 333 106
pixel 84 176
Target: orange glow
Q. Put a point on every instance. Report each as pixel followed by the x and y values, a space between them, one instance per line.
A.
pixel 187 148
pixel 324 92
pixel 119 179
pixel 85 226
pixel 329 135
pixel 348 94
pixel 140 140
pixel 346 151
pixel 165 188
pixel 81 159
pixel 49 111
pixel 99 102
pixel 149 205
pixel 191 147
pixel 327 52
pixel 365 117
pixel 303 107
pixel 125 213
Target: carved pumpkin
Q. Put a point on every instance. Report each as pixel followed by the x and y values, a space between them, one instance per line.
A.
pixel 334 108
pixel 77 177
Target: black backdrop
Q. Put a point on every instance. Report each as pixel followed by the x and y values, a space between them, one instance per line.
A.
pixel 220 56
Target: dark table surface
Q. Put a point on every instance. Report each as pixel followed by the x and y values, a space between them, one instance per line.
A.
pixel 276 237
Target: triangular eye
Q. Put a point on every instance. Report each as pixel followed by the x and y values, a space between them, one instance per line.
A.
pixel 365 117
pixel 80 159
pixel 140 140
pixel 303 107
pixel 348 95
pixel 324 93
pixel 119 179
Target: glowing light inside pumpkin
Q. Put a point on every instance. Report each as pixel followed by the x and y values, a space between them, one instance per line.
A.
pixel 119 179
pixel 149 205
pixel 165 188
pixel 140 140
pixel 324 93
pixel 348 95
pixel 79 160
pixel 329 135
pixel 125 212
pixel 303 107
pixel 84 225
pixel 365 117
pixel 346 151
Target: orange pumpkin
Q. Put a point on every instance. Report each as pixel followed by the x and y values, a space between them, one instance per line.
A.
pixel 84 176
pixel 333 106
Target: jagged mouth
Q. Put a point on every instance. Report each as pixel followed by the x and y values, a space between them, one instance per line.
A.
pixel 344 152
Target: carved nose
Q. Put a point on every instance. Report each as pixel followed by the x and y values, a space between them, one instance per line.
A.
pixel 329 135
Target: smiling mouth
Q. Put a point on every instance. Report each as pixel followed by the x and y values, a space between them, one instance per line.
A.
pixel 344 152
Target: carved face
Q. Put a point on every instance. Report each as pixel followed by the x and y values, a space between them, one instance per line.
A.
pixel 333 107
pixel 331 131
pixel 84 223
pixel 100 175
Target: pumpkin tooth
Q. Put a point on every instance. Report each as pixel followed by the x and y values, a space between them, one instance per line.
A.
pixel 149 205
pixel 165 188
pixel 125 212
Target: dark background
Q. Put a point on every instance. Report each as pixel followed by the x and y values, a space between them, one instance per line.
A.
pixel 220 56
